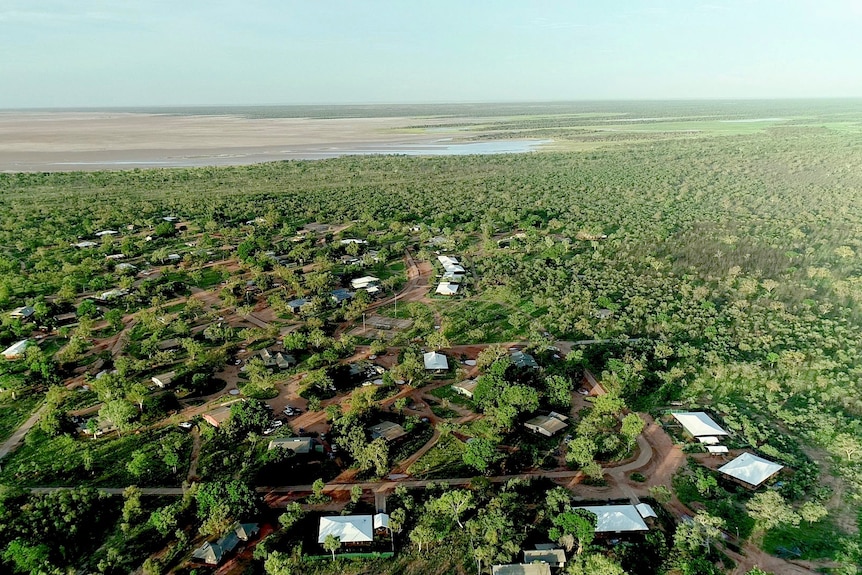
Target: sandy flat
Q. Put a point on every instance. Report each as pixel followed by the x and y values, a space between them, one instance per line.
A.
pixel 63 141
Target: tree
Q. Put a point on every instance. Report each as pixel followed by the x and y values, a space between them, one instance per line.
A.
pixel 579 524
pixel 292 513
pixel 246 416
pixel 594 564
pixel 480 454
pixel 355 494
pixel 422 535
pixel 27 558
pixel 812 512
pixel 632 427
pixel 119 412
pixel 452 504
pixel 277 563
pixel 770 510
pixel 332 544
pixel 559 391
pixel 142 465
pixel 582 450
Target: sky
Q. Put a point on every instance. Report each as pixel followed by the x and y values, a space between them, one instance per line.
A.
pixel 105 53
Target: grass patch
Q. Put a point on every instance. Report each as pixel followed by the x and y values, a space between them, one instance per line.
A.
pixel 442 460
pixel 821 540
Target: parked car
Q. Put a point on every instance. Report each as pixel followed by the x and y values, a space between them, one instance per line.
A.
pixel 187 425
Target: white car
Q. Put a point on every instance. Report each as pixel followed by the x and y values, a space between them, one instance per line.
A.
pixel 276 424
pixel 186 425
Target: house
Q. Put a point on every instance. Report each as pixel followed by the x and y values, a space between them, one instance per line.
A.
pixel 284 360
pixel 213 553
pixel 717 449
pixel 547 425
pixel 750 469
pixel 113 294
pixel 620 518
pixel 106 233
pixel 348 241
pixel 296 305
pixel 16 350
pixel 435 361
pixel 115 257
pixel 452 277
pixel 172 343
pixel 125 267
pixel 85 244
pixel 295 444
pixel 341 295
pixel 521 359
pixel 65 318
pixel 465 388
pixel 218 416
pixel 699 424
pixel 364 282
pixel 387 430
pixel 165 379
pixel 553 557
pixel 174 257
pixel 446 288
pixel 521 569
pixel 350 529
pixel 22 313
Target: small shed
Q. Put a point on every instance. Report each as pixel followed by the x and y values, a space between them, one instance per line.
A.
pixel 553 557
pixel 296 305
pixel 465 388
pixel 17 349
pixel 446 288
pixel 295 444
pixel 218 416
pixel 23 313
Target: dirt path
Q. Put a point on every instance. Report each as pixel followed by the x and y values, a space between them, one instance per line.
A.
pixel 16 438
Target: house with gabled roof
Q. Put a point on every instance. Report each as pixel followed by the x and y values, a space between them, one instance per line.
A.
pixel 750 470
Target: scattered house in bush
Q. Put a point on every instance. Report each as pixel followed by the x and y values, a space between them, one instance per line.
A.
pixel 106 233
pixel 446 288
pixel 23 313
pixel 699 424
pixel 125 267
pixel 348 241
pixel 115 256
pixel 521 359
pixel 16 350
pixel 553 557
pixel 351 530
pixel 165 379
pixel 465 388
pixel 267 357
pixel 547 425
pixel 213 553
pixel 218 416
pixel 750 470
pixel 387 430
pixel 521 569
pixel 452 277
pixel 717 449
pixel 435 362
pixel 295 444
pixel 296 305
pixel 85 244
pixel 621 518
pixel 174 257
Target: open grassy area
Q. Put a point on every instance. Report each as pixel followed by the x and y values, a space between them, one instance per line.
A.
pixel 442 460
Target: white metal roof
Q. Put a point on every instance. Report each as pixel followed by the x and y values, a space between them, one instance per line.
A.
pixel 381 520
pixel 617 518
pixel 717 449
pixel 445 288
pixel 645 510
pixel 348 528
pixel 709 440
pixel 448 260
pixel 751 469
pixel 16 348
pixel 364 281
pixel 698 423
pixel 434 361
